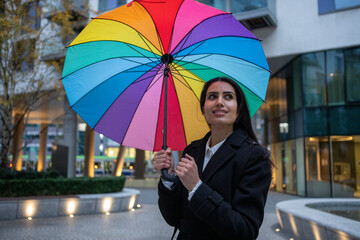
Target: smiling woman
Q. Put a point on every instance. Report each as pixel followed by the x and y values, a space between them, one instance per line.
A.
pixel 223 178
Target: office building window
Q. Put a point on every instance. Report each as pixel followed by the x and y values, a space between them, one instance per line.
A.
pixel 345 151
pixel 335 77
pixel 219 4
pixel 352 70
pixel 326 6
pixel 317 167
pixel 105 5
pixel 32 17
pixel 245 5
pixel 277 96
pixel 313 76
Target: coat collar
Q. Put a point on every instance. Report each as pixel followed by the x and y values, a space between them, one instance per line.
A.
pixel 222 155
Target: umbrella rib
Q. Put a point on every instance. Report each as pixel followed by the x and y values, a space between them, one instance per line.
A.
pixel 132 118
pixel 178 100
pixel 197 80
pixel 233 79
pixel 173 26
pixel 156 56
pixel 208 55
pixel 202 57
pixel 144 64
pixel 117 98
pixel 148 46
pixel 186 38
pixel 104 82
pixel 190 32
pixel 174 76
pixel 190 52
pixel 150 86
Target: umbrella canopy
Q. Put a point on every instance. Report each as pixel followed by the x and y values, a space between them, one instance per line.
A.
pixel 116 69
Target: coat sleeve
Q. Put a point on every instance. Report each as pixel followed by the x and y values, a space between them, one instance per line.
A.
pixel 170 202
pixel 241 218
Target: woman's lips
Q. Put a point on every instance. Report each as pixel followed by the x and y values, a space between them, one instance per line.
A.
pixel 219 112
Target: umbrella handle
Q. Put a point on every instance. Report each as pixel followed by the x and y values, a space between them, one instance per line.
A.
pixel 167 176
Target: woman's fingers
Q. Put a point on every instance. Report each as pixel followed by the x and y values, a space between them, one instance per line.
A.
pixel 163 159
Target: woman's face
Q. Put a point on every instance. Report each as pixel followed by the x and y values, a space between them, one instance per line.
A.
pixel 220 107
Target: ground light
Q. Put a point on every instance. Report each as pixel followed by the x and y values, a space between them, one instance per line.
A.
pixel 107 203
pixel 30 211
pixel 132 202
pixel 71 206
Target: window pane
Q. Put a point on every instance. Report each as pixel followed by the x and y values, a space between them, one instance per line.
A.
pixel 316 123
pixel 121 2
pixel 352 64
pixel 335 77
pixel 344 165
pixel 291 154
pixel 297 84
pixel 313 68
pixel 341 4
pixel 277 96
pixel 102 5
pixel 344 120
pixel 317 167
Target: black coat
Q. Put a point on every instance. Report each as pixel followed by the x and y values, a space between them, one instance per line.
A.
pixel 229 204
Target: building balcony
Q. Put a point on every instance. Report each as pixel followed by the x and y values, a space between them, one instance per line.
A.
pixel 255 14
pixel 251 13
pixel 53 49
pixel 79 9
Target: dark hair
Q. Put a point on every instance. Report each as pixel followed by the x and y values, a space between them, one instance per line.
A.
pixel 243 120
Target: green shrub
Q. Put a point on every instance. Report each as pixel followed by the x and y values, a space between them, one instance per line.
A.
pixel 7 173
pixel 59 186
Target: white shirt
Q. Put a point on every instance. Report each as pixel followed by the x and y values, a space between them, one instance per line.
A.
pixel 209 152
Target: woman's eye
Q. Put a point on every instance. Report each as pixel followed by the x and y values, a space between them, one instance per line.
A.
pixel 229 96
pixel 211 96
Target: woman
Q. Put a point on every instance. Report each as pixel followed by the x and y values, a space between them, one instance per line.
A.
pixel 223 178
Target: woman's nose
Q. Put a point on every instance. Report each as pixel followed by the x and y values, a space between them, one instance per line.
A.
pixel 219 101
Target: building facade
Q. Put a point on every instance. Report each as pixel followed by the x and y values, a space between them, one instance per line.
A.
pixel 310 120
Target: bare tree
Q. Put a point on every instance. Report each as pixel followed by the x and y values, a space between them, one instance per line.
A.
pixel 27 34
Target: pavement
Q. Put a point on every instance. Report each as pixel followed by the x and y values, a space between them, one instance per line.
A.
pixel 143 223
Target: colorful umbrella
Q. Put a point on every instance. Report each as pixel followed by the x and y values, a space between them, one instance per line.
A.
pixel 131 63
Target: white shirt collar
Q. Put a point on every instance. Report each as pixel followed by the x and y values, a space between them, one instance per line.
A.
pixel 210 151
pixel 214 148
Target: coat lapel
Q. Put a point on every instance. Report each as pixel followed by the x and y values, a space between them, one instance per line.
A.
pixel 198 152
pixel 223 154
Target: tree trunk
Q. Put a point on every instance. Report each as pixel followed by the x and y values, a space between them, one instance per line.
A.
pixel 5 137
pixel 140 164
pixel 89 152
pixel 119 165
pixel 42 150
pixel 19 127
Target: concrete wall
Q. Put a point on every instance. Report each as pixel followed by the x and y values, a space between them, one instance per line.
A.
pixel 39 207
pixel 300 29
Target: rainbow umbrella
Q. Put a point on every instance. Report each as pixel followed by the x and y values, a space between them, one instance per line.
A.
pixel 135 73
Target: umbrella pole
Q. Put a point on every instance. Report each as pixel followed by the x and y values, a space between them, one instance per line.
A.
pixel 166 76
pixel 166 59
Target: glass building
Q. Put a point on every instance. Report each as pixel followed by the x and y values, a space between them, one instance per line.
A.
pixel 311 123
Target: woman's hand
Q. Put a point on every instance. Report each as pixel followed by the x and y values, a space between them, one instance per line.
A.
pixel 164 159
pixel 187 171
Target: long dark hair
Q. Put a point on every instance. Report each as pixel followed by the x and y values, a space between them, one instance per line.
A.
pixel 243 120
